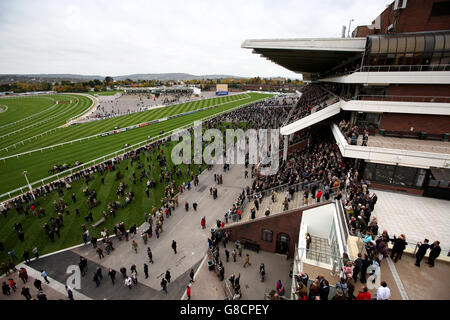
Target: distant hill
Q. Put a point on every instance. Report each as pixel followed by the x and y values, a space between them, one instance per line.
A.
pixel 172 76
pixel 134 77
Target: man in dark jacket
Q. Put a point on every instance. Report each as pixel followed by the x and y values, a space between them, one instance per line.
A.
pixel 435 251
pixel 357 267
pixel 324 290
pixel 423 247
pixel 174 246
pixel 398 248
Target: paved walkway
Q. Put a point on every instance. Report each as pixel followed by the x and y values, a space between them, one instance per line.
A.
pixel 207 285
pixel 416 217
pixel 407 144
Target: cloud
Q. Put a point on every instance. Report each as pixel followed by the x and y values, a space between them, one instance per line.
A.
pixel 198 37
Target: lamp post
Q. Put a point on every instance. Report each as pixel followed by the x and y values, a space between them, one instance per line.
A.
pixel 349 24
pixel 29 186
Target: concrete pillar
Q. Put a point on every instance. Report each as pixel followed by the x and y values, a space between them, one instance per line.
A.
pixel 285 147
pixel 356 91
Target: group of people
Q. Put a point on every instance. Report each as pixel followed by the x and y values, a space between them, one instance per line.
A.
pixel 319 289
pixel 312 96
pixel 351 133
pixel 9 287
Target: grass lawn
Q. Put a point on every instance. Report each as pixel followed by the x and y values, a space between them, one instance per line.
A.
pixel 104 93
pixel 71 233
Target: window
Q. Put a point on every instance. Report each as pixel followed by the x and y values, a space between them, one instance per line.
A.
pixel 384 173
pixel 267 235
pixel 404 176
pixel 440 9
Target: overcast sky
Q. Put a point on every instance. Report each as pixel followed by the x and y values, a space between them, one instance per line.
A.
pixel 198 37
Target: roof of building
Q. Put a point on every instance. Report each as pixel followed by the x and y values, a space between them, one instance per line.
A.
pixel 313 55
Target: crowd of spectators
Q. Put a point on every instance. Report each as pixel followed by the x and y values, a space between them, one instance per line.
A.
pixel 351 133
pixel 313 99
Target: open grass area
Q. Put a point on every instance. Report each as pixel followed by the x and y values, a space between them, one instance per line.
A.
pixel 104 93
pixel 71 233
pixel 38 164
pixel 47 115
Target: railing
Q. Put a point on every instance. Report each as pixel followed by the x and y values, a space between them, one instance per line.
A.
pixel 390 68
pixel 284 187
pixel 408 146
pixel 436 99
pixel 110 156
pixel 404 68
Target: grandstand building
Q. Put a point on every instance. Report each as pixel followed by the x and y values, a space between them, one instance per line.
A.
pixel 384 94
pixel 392 78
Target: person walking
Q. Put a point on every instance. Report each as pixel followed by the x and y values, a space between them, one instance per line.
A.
pixel 188 292
pixel 6 289
pixel 96 279
pixel 133 269
pixel 203 223
pixel 146 270
pixel 435 251
pixel 23 274
pixel 247 260
pixel 234 254
pixel 134 278
pixel 100 252
pixel 227 254
pixel 37 284
pixel 164 285
pixel 123 271
pixel 69 292
pixel 112 275
pixel 167 276
pixel 150 255
pixel 357 265
pixel 134 246
pixel 192 275
pixel 174 246
pixel 44 275
pixel 128 282
pixel 423 247
pixel 26 293
pixel 99 273
pixel 35 252
pixel 262 271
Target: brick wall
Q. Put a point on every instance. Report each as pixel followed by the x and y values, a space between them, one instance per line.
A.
pixel 286 222
pixel 390 187
pixel 430 124
pixel 414 18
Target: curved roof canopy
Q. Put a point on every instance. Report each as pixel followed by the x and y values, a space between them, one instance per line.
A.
pixel 308 55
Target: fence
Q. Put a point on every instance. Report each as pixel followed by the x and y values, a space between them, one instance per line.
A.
pixel 436 99
pixel 284 187
pixel 404 68
pixel 64 174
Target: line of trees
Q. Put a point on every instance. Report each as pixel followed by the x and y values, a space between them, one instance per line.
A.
pixel 109 83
